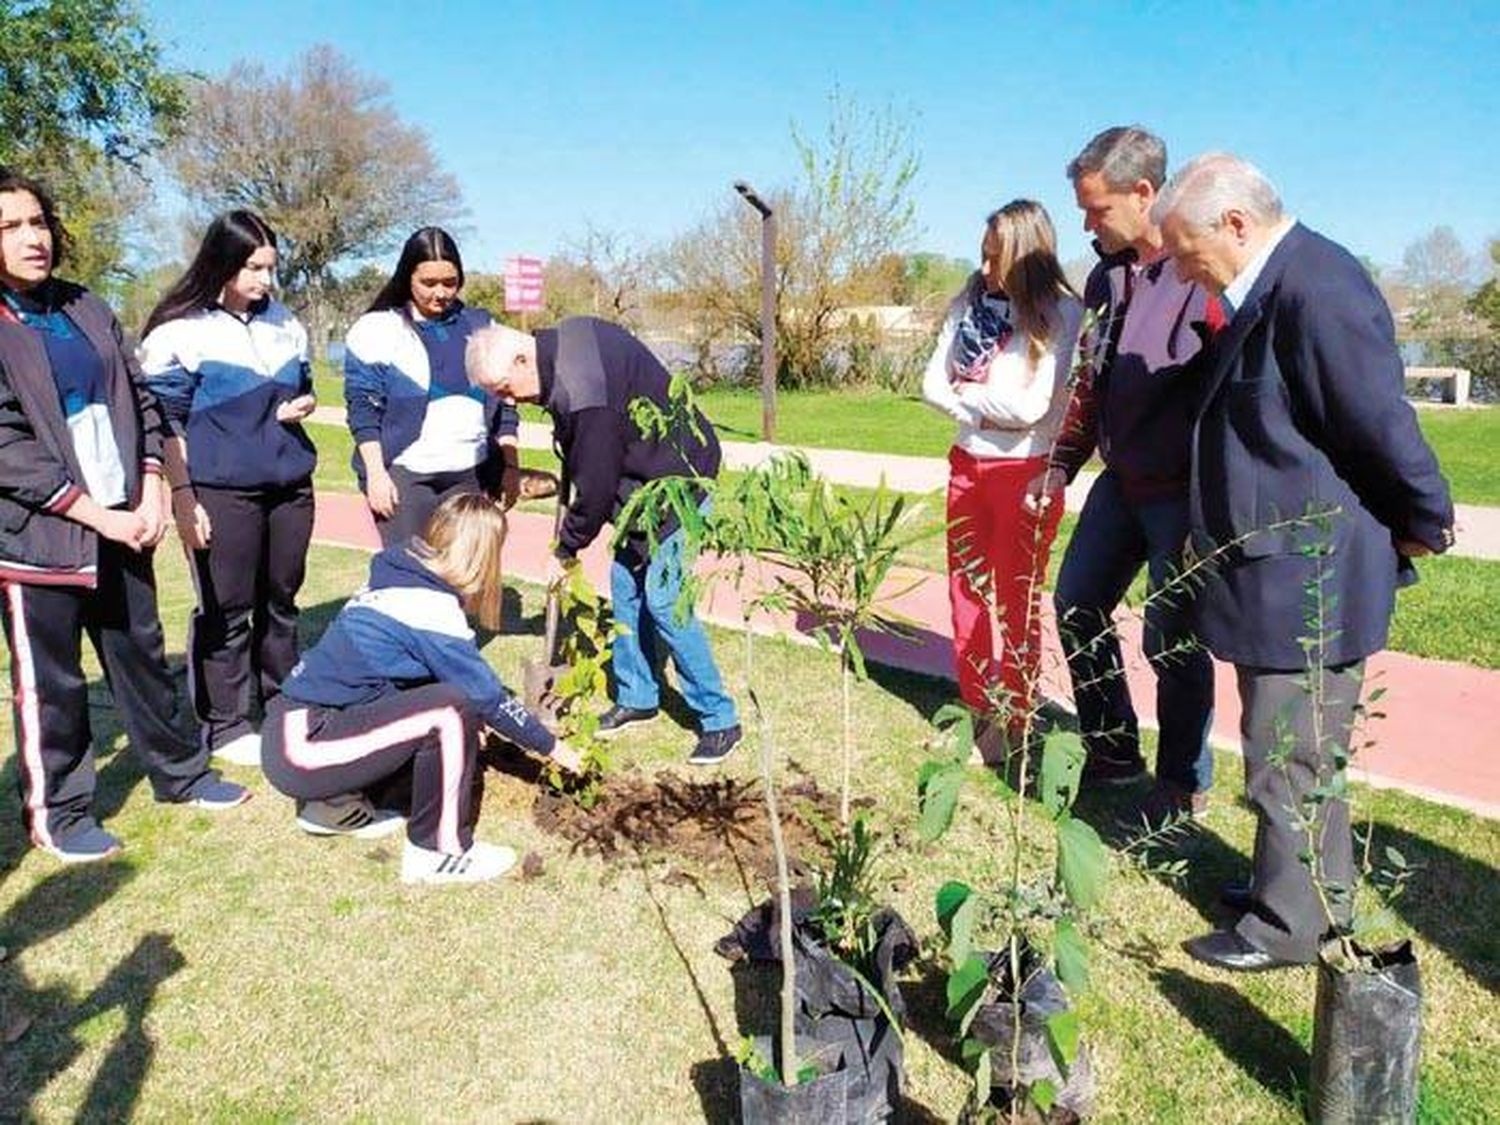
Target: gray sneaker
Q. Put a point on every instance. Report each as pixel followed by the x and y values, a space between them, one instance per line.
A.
pixel 347 815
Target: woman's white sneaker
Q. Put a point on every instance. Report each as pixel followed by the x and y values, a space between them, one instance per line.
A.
pixel 348 814
pixel 241 751
pixel 480 863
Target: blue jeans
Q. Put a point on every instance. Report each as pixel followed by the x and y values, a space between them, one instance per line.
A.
pixel 645 602
pixel 1113 538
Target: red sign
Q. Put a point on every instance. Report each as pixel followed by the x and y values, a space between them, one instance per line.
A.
pixel 523 284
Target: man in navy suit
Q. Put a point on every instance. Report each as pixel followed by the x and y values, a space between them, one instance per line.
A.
pixel 1312 488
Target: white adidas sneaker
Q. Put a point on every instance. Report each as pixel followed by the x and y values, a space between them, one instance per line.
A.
pixel 349 814
pixel 477 865
pixel 241 751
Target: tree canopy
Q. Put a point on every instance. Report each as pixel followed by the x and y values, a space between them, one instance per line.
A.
pixel 322 155
pixel 84 101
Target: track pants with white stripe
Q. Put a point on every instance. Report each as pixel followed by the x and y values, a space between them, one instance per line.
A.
pixel 44 626
pixel 244 632
pixel 312 753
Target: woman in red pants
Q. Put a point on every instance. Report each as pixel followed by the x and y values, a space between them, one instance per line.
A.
pixel 1000 370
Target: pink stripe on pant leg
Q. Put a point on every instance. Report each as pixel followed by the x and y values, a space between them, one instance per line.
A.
pixel 28 705
pixel 445 722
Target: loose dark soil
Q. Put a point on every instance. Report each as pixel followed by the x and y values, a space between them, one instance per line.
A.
pixel 716 824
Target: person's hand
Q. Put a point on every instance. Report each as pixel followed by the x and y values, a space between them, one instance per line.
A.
pixel 566 758
pixel 121 526
pixel 193 526
pixel 152 512
pixel 558 570
pixel 296 409
pixel 1044 490
pixel 380 491
pixel 1411 549
pixel 510 485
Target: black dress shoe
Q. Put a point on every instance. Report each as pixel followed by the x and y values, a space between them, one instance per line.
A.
pixel 1226 949
pixel 1237 896
pixel 618 717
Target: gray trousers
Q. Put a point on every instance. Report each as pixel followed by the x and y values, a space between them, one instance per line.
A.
pixel 1288 749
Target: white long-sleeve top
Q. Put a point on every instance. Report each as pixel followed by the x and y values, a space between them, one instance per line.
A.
pixel 1017 412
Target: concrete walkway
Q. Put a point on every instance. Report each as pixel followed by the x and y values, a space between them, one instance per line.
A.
pixel 1478 527
pixel 1436 739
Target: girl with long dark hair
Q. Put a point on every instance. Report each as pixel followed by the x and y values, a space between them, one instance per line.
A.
pixel 81 509
pixel 1000 369
pixel 422 433
pixel 229 365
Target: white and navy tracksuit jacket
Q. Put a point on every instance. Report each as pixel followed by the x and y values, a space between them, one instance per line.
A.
pixel 396 678
pixel 405 386
pixel 220 378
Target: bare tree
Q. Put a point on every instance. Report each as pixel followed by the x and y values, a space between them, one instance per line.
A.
pixel 850 211
pixel 1435 270
pixel 599 273
pixel 323 156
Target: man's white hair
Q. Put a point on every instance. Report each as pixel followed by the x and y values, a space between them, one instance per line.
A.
pixel 491 351
pixel 1207 186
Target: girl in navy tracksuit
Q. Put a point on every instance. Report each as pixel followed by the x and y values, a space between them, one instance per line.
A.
pixel 422 432
pixel 398 683
pixel 81 508
pixel 229 366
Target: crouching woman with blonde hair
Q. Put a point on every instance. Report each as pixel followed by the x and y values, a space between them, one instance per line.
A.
pixel 397 683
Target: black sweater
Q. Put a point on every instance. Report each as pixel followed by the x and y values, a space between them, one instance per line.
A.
pixel 591 371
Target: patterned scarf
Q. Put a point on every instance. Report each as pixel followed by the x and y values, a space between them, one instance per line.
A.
pixel 983 331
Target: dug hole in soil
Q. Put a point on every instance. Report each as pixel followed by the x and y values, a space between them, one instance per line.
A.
pixel 715 823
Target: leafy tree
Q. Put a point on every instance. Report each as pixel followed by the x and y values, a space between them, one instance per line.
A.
pixel 322 155
pixel 850 210
pixel 84 101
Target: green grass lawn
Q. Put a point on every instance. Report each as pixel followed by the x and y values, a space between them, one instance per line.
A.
pixel 229 968
pixel 1467 443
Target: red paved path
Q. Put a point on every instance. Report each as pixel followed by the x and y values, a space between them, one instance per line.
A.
pixel 1439 737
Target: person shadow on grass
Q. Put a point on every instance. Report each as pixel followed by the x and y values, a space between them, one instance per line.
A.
pixel 41 1028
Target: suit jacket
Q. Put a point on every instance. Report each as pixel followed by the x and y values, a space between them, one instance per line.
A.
pixel 1304 445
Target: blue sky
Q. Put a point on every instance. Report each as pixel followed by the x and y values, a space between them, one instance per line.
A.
pixel 1377 120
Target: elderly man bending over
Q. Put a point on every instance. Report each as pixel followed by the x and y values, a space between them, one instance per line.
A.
pixel 1302 413
pixel 586 372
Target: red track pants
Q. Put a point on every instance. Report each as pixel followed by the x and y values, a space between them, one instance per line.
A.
pixel 991 533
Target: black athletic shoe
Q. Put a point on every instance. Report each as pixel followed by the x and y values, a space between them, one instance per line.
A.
pixel 619 717
pixel 1101 771
pixel 715 745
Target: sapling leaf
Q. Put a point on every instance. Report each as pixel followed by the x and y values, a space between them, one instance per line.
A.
pixel 1062 1038
pixel 950 896
pixel 1082 862
pixel 1394 857
pixel 966 985
pixel 983 1076
pixel 1071 954
pixel 1062 766
pixel 939 798
pixel 1043 1095
pixel 961 936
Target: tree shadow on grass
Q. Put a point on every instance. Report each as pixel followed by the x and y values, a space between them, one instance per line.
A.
pixel 47 1023
pixel 1258 1045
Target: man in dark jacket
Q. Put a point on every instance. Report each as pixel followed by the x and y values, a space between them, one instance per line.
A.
pixel 587 372
pixel 1312 488
pixel 1133 404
